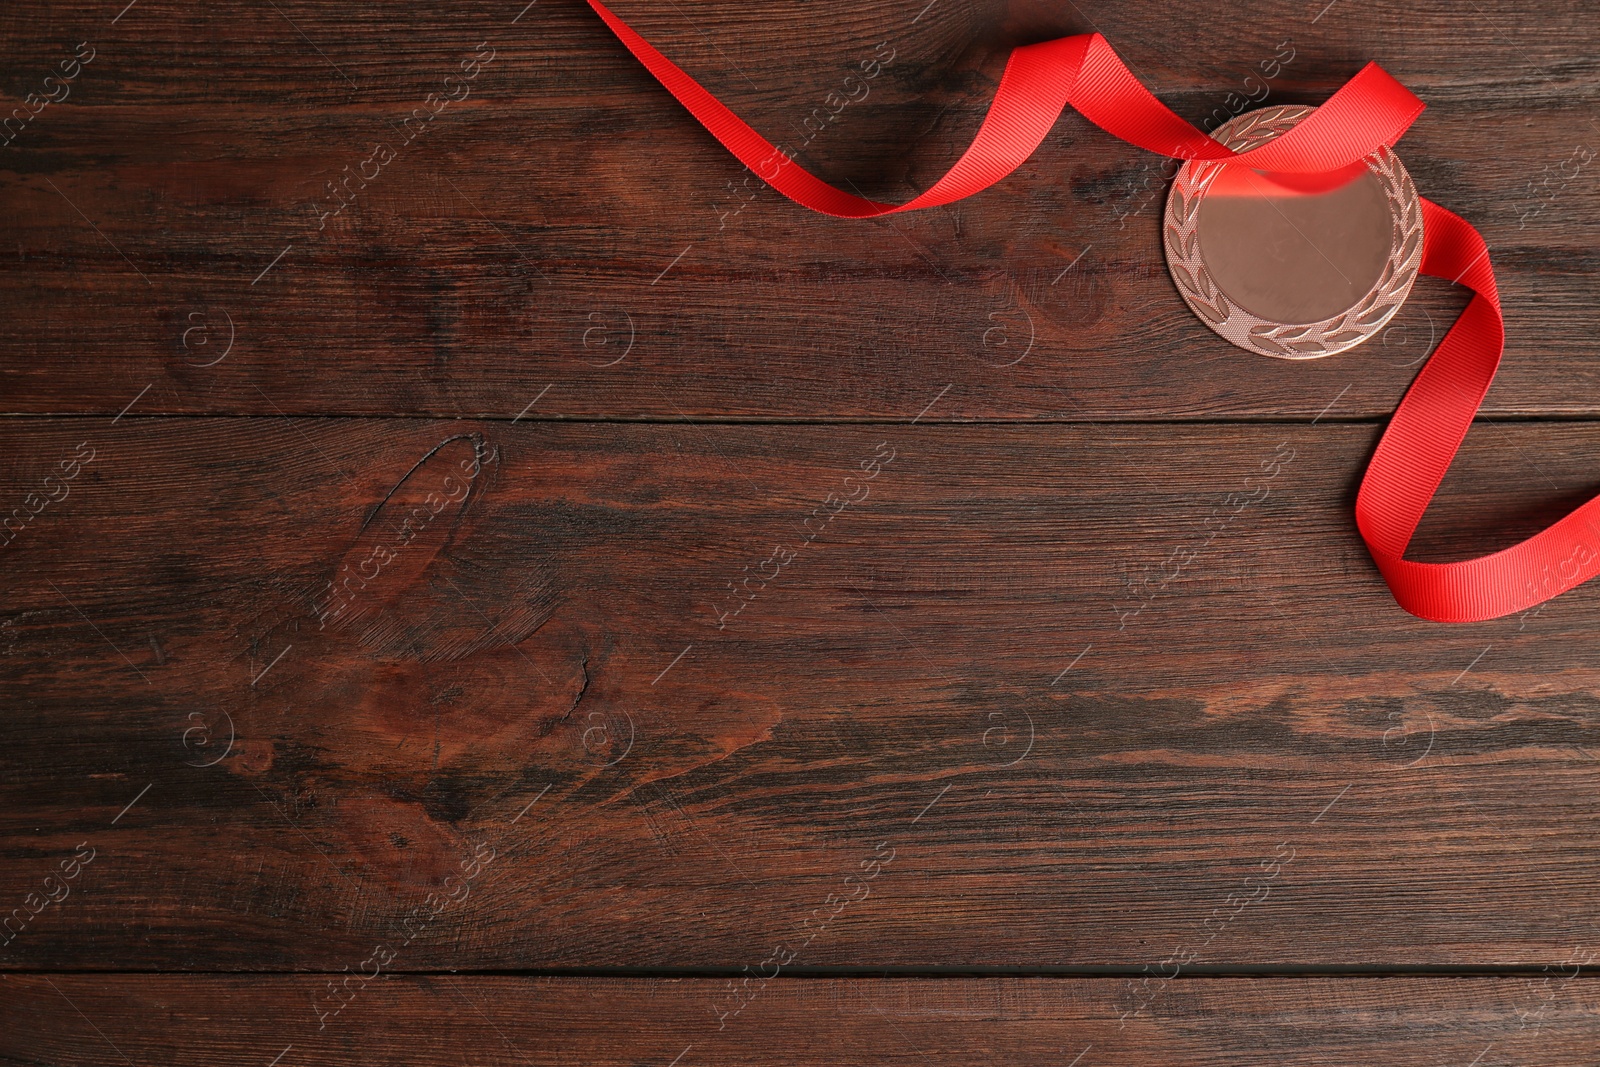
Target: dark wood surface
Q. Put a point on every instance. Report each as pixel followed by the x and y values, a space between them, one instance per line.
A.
pixel 457 1020
pixel 377 607
pixel 911 652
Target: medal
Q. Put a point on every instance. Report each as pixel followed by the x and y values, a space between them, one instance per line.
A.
pixel 1294 233
pixel 1282 271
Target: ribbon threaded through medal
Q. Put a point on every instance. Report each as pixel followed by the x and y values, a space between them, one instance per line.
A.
pixel 1371 110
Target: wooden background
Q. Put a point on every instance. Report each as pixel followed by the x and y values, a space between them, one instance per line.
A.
pixel 1082 732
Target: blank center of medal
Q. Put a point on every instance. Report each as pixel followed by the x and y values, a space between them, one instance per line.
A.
pixel 1296 258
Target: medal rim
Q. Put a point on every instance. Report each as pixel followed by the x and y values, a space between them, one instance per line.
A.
pixel 1267 337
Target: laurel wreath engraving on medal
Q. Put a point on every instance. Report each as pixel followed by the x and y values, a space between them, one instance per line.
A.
pixel 1289 340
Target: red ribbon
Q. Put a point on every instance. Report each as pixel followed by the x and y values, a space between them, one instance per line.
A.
pixel 1370 110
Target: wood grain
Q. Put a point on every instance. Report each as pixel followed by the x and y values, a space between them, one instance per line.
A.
pixel 1106 695
pixel 567 225
pixel 517 545
pixel 88 1021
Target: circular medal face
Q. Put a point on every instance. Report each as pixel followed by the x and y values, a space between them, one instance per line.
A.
pixel 1285 272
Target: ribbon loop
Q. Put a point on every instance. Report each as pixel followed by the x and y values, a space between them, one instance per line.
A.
pixel 1039 81
pixel 1421 441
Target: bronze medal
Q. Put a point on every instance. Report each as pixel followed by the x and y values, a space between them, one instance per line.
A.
pixel 1286 273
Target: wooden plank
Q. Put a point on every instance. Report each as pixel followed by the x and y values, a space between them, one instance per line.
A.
pixel 89 1020
pixel 1039 696
pixel 566 225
